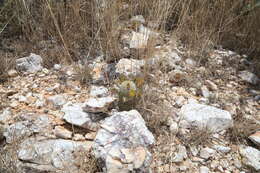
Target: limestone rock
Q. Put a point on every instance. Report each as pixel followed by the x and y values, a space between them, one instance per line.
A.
pixel 61 132
pixel 31 123
pixel 181 155
pixel 206 153
pixel 129 67
pixel 30 64
pixel 76 116
pixel 249 77
pixel 97 105
pixel 98 91
pixel 251 157
pixel 121 143
pixel 204 116
pixel 255 138
pixel 57 100
pixel 51 154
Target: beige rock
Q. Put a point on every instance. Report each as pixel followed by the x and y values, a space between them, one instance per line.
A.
pixel 61 132
pixel 255 138
pixel 12 73
pixel 78 137
pixel 90 136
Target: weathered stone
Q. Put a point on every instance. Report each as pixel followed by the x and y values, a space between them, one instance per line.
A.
pixel 76 116
pixel 57 100
pixel 121 143
pixel 5 115
pixel 61 132
pixel 249 77
pixel 221 148
pixel 174 128
pixel 54 154
pixel 90 136
pixel 206 153
pixel 208 117
pixel 138 18
pixel 211 85
pixel 31 123
pixel 139 40
pixel 255 138
pixel 251 157
pixel 129 67
pixel 30 64
pixel 176 76
pixel 181 155
pixel 98 91
pixel 96 105
pixel 12 73
pixel 204 169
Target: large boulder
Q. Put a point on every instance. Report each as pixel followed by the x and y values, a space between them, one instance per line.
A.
pixel 121 143
pixel 30 64
pixel 209 117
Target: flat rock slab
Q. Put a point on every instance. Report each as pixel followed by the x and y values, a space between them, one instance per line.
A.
pixel 121 142
pixel 51 154
pixel 97 105
pixel 208 117
pixel 75 115
pixel 255 138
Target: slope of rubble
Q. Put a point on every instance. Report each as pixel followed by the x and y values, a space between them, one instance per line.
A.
pixel 188 116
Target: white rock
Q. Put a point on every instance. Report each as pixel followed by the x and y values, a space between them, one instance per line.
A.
pixel 205 92
pixel 174 128
pixel 206 153
pixel 61 132
pixel 5 115
pixel 221 148
pixel 54 153
pixel 204 169
pixel 96 105
pixel 129 67
pixel 78 137
pixel 57 67
pixel 138 18
pixel 255 138
pixel 98 91
pixel 57 100
pixel 249 77
pixel 181 155
pixel 121 142
pixel 180 101
pixel 190 62
pixel 251 157
pixel 204 116
pixel 31 64
pixel 76 116
pixel 139 40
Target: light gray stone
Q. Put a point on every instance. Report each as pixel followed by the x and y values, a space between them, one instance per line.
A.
pixel 208 117
pixel 30 64
pixel 98 91
pixel 61 132
pixel 206 153
pixel 30 124
pixel 96 105
pixel 255 138
pixel 249 77
pixel 181 154
pixel 251 157
pixel 51 154
pixel 121 143
pixel 76 116
pixel 174 128
pixel 221 148
pixel 5 115
pixel 204 169
pixel 57 100
pixel 129 67
pixel 138 18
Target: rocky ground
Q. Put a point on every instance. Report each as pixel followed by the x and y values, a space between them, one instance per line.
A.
pixel 186 117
